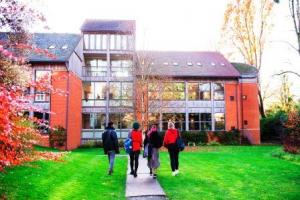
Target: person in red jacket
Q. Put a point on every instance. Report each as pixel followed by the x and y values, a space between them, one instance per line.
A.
pixel 170 143
pixel 137 140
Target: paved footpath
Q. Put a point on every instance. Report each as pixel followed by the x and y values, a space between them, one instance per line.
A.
pixel 143 187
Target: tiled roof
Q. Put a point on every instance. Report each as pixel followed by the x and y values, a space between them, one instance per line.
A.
pixel 64 44
pixel 188 64
pixel 245 69
pixel 108 26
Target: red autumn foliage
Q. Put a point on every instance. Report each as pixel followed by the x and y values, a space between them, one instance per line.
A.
pixel 291 143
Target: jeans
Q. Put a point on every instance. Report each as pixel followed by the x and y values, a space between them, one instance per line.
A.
pixel 134 160
pixel 174 153
pixel 111 159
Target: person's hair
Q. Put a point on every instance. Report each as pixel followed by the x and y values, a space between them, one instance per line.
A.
pixel 135 125
pixel 171 125
pixel 110 124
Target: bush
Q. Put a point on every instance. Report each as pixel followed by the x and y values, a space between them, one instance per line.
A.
pixel 213 143
pixel 194 137
pixel 272 127
pixel 291 142
pixel 58 137
pixel 232 137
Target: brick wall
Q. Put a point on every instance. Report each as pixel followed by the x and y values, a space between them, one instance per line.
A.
pixel 231 106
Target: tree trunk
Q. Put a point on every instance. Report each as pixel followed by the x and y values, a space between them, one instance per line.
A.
pixel 261 105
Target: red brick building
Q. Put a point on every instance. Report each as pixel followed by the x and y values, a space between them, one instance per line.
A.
pixel 201 90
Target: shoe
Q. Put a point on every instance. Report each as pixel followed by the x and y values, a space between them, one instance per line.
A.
pixel 154 176
pixel 151 173
pixel 109 172
pixel 174 173
pixel 135 175
pixel 132 173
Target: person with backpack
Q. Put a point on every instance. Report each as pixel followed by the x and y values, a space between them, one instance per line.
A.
pixel 170 143
pixel 110 145
pixel 136 138
pixel 154 143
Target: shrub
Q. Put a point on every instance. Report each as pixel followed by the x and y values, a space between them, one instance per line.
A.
pixel 194 137
pixel 213 143
pixel 57 137
pixel 232 137
pixel 291 142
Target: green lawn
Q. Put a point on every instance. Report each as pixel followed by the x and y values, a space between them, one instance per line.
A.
pixel 232 173
pixel 209 173
pixel 83 175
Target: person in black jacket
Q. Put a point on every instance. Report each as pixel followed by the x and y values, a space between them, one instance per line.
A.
pixel 155 142
pixel 110 145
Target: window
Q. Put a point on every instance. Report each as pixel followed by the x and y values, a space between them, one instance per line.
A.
pixel 190 64
pixel 193 91
pixel 86 41
pixel 123 122
pixel 94 94
pixel 112 42
pixel 64 46
pixel 218 91
pixel 124 42
pixel 96 67
pixel 205 91
pixel 173 91
pixel 219 121
pixel 93 121
pixel 92 42
pixel 98 42
pixel 177 118
pixel 52 46
pixel 42 126
pixel 200 121
pixel 121 68
pixel 45 77
pixel 231 98
pixel 118 42
pixel 154 91
pixel 104 41
pixel 121 94
pixel 130 42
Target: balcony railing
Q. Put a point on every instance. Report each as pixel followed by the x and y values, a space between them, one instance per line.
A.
pixel 89 72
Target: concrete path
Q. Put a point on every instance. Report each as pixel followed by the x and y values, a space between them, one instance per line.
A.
pixel 143 187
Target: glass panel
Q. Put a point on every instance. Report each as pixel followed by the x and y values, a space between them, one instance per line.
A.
pixel 219 121
pixel 118 42
pixel 43 75
pixel 206 126
pixel 178 118
pixel 87 121
pixel 100 90
pixel 130 42
pixel 115 90
pixel 127 103
pixel 206 117
pixel 126 120
pixel 153 118
pixel 115 118
pixel 92 41
pixel 86 41
pixel 127 89
pixel 194 119
pixel 193 91
pixel 88 90
pixel 205 91
pixel 173 91
pixel 218 91
pixel 124 42
pixel 98 41
pixel 86 103
pixel 100 121
pixel 112 42
pixel 104 41
pixel 115 103
pixel 87 134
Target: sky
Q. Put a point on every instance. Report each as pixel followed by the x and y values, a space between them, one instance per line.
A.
pixel 181 25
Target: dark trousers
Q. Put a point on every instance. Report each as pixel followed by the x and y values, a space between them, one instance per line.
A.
pixel 174 153
pixel 134 160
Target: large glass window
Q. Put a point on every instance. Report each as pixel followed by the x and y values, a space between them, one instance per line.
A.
pixel 153 118
pixel 95 41
pixel 96 67
pixel 93 121
pixel 200 121
pixel 154 91
pixel 177 118
pixel 42 76
pixel 193 91
pixel 94 94
pixel 173 91
pixel 112 42
pixel 205 91
pixel 219 121
pixel 122 122
pixel 121 68
pixel 218 91
pixel 121 93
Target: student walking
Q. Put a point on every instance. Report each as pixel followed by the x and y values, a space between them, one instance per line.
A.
pixel 110 145
pixel 170 143
pixel 136 137
pixel 154 143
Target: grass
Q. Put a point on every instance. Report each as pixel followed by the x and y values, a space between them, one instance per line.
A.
pixel 210 172
pixel 83 175
pixel 231 173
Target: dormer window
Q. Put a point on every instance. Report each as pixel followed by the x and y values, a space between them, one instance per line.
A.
pixel 166 63
pixel 222 64
pixel 190 64
pixel 51 46
pixel 175 63
pixel 213 64
pixel 64 47
pixel 199 64
pixel 152 63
